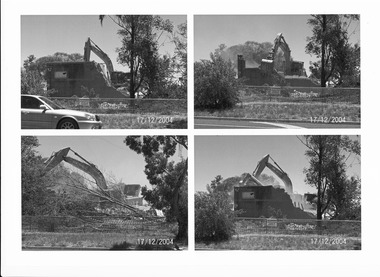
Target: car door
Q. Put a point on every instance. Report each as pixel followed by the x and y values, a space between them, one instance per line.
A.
pixel 32 117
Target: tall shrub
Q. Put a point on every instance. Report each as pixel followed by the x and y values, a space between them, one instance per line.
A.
pixel 214 218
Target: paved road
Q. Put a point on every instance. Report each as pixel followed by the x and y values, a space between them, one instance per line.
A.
pixel 246 124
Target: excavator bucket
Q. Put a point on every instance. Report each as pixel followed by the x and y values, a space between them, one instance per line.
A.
pixel 56 158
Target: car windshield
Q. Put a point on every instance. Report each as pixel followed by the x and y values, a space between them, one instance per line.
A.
pixel 51 103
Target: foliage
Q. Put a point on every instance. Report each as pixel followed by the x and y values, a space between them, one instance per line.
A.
pixel 215 85
pixel 214 218
pixel 171 78
pixel 139 51
pixel 37 195
pixel 179 61
pixel 33 72
pixel 40 64
pixel 337 195
pixel 70 199
pixel 49 194
pixel 31 82
pixel 339 61
pixel 346 199
pixel 220 185
pixel 78 196
pixel 168 179
pixel 348 67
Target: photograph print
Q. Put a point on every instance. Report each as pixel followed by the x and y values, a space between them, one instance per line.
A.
pixel 103 71
pixel 277 71
pixel 104 193
pixel 278 192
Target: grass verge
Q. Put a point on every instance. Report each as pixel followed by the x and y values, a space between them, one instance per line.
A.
pixel 143 121
pixel 107 240
pixel 286 111
pixel 284 242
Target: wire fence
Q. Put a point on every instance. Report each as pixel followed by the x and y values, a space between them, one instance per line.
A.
pixel 301 94
pixel 86 224
pixel 124 105
pixel 348 228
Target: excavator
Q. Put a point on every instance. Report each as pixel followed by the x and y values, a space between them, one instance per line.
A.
pixel 279 42
pixel 303 202
pixel 264 162
pixel 291 67
pixel 85 166
pixel 114 78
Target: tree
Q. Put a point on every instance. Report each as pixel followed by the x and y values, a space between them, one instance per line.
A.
pixel 215 85
pixel 32 82
pixel 214 219
pixel 328 156
pixel 179 61
pixel 329 43
pixel 214 216
pixel 170 81
pixel 347 67
pixel 37 196
pixel 345 201
pixel 168 179
pixel 140 34
pixel 223 185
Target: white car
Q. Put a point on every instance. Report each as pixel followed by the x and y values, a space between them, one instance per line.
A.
pixel 39 112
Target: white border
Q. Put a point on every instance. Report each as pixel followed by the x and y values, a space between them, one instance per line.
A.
pixel 233 263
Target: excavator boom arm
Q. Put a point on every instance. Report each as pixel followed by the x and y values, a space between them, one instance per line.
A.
pixel 89 168
pixel 91 46
pixel 249 177
pixel 261 166
pixel 264 162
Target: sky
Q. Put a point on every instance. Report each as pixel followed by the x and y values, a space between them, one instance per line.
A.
pixel 212 30
pixel 231 156
pixel 43 35
pixel 112 157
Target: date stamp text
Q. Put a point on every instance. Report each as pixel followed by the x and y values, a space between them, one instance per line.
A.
pixel 154 241
pixel 154 119
pixel 329 241
pixel 327 119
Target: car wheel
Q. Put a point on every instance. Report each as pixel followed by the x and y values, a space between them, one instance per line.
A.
pixel 67 123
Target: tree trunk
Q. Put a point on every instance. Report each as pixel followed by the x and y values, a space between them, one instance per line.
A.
pixel 132 64
pixel 319 184
pixel 182 230
pixel 323 73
